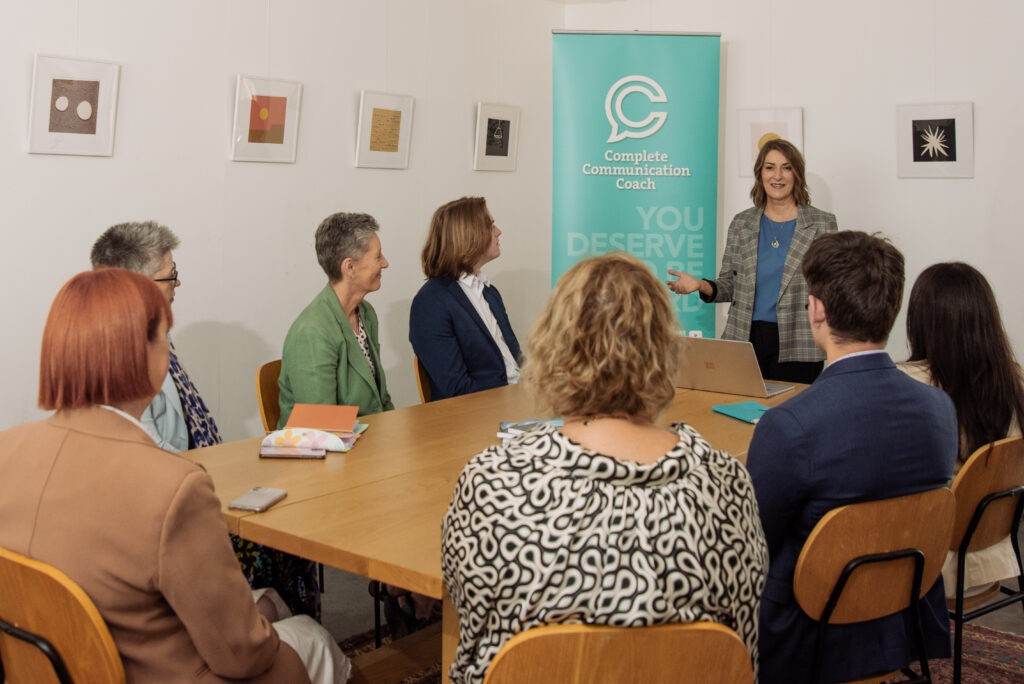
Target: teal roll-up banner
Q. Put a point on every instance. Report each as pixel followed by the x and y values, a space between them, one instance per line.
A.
pixel 636 154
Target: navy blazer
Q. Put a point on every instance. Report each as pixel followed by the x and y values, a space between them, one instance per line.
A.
pixel 863 431
pixel 450 339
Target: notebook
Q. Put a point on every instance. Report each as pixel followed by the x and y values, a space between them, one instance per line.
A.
pixel 727 366
pixel 747 411
pixel 325 417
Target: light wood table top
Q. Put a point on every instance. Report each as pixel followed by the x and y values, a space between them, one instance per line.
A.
pixel 376 510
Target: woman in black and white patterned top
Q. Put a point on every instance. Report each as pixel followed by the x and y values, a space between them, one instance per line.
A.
pixel 609 520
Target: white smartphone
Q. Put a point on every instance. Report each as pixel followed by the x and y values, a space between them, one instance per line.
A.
pixel 258 499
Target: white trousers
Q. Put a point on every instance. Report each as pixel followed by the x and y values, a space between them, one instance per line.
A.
pixel 324 661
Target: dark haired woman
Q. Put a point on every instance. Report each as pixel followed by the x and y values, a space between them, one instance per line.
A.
pixel 957 343
pixel 760 271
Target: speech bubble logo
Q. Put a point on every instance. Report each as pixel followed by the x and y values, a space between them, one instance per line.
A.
pixel 622 126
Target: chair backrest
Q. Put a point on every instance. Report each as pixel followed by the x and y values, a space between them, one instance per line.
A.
pixel 993 468
pixel 422 380
pixel 704 652
pixel 268 392
pixel 921 521
pixel 43 601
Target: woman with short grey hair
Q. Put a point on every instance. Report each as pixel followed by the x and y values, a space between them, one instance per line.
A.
pixel 177 418
pixel 332 351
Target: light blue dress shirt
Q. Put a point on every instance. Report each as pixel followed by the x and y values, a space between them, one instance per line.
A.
pixel 164 418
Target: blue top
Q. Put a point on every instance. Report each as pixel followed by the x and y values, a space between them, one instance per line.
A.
pixel 772 247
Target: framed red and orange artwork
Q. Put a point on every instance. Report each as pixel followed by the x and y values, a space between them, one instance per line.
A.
pixel 266 120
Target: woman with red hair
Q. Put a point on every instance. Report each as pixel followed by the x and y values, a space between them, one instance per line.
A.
pixel 138 528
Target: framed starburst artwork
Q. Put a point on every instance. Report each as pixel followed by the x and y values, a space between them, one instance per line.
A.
pixel 935 141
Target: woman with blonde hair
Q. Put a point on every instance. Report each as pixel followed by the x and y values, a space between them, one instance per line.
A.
pixel 458 325
pixel 610 519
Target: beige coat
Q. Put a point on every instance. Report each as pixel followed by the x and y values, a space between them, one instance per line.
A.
pixel 141 531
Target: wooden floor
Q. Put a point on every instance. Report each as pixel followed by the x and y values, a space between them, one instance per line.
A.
pixel 393 662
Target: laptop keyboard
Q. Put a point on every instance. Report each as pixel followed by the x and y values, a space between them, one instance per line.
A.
pixel 774 388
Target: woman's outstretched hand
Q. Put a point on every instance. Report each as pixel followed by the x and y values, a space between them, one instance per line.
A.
pixel 684 283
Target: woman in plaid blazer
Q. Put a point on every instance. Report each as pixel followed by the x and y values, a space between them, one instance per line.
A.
pixel 760 271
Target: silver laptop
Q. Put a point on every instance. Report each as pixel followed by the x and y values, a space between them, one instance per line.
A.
pixel 726 366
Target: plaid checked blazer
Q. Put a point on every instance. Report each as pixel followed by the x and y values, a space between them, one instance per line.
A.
pixel 737 279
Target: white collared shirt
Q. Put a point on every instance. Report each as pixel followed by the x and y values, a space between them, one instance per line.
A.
pixel 473 286
pixel 127 416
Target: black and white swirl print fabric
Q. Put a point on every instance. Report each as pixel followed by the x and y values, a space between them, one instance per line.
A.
pixel 543 531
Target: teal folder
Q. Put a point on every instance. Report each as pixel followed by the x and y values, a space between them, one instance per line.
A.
pixel 747 411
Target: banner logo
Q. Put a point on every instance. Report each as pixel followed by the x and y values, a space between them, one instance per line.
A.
pixel 622 126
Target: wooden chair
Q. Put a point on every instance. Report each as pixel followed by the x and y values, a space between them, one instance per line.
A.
pixel 422 380
pixel 48 627
pixel 267 393
pixel 989 492
pixel 869 560
pixel 690 653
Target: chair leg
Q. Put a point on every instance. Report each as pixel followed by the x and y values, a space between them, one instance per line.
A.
pixel 375 593
pixel 922 653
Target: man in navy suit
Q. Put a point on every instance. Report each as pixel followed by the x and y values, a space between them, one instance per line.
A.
pixel 863 431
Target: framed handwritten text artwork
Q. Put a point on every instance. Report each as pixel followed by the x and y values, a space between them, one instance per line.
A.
pixel 385 130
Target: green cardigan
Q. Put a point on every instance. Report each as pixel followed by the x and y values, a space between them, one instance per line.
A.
pixel 322 362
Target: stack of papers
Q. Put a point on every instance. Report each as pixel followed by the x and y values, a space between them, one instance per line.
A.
pixel 312 430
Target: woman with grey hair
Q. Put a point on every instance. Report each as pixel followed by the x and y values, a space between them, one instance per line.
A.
pixel 332 351
pixel 177 419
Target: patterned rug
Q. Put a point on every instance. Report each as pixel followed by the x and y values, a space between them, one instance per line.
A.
pixel 990 657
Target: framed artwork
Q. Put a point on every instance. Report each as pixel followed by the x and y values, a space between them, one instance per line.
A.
pixel 935 141
pixel 73 107
pixel 266 120
pixel 385 130
pixel 758 126
pixel 497 137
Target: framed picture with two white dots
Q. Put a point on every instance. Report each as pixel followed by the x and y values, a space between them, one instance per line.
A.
pixel 73 107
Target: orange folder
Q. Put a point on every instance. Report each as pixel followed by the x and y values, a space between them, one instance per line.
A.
pixel 327 417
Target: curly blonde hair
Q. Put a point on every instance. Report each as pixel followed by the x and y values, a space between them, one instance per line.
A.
pixel 607 342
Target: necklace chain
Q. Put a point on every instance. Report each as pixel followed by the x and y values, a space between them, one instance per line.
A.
pixel 775 238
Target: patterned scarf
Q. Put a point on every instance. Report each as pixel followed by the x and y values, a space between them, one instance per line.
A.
pixel 202 430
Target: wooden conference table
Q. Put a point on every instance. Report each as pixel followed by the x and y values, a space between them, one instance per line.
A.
pixel 376 511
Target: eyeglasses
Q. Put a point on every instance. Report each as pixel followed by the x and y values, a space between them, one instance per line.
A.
pixel 173 278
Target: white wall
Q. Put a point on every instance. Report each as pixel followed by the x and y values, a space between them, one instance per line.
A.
pixel 246 259
pixel 848 64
